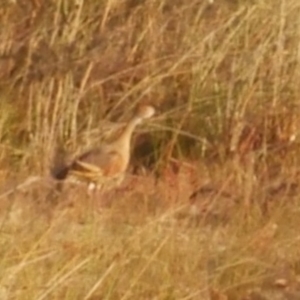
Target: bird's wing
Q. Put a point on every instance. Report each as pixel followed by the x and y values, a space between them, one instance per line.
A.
pixel 98 162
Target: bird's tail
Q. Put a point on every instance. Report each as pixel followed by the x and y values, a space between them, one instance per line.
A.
pixel 59 168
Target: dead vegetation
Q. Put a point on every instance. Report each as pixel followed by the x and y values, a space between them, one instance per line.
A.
pixel 210 206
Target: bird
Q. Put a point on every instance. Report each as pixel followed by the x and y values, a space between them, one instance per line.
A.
pixel 104 166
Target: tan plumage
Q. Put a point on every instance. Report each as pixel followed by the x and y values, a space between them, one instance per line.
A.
pixel 105 165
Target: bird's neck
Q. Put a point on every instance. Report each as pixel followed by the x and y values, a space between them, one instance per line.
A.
pixel 123 141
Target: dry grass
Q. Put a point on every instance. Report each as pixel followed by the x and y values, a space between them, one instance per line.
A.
pixel 224 77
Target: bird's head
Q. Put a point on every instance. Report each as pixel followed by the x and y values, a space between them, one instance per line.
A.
pixel 145 112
